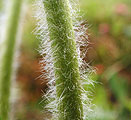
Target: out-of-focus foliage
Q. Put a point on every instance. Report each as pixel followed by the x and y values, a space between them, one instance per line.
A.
pixel 0 4
pixel 110 38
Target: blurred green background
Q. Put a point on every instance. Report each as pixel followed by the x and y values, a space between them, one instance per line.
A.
pixel 109 30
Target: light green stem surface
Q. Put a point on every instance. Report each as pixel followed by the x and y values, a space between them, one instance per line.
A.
pixel 7 58
pixel 66 67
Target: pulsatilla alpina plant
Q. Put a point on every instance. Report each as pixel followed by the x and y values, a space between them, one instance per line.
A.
pixel 63 47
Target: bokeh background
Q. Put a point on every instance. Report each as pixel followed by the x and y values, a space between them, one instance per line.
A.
pixel 109 31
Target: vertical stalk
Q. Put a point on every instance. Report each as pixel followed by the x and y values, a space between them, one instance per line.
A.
pixel 1 2
pixel 7 58
pixel 68 88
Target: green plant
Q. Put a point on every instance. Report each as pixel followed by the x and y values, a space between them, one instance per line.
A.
pixel 61 54
pixel 66 62
pixel 1 2
pixel 7 58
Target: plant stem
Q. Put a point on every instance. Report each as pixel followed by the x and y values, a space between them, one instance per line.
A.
pixel 68 88
pixel 7 58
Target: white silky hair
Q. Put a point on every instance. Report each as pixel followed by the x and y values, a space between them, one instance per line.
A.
pixel 47 63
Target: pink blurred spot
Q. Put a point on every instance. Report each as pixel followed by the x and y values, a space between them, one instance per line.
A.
pixel 121 9
pixel 104 28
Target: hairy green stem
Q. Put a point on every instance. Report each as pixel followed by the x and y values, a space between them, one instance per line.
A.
pixel 7 58
pixel 66 66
